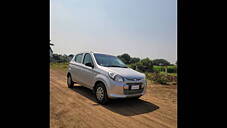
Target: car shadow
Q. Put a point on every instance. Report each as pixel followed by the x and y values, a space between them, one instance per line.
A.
pixel 126 107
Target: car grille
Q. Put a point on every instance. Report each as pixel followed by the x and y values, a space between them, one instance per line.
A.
pixel 136 91
pixel 134 79
pixel 130 84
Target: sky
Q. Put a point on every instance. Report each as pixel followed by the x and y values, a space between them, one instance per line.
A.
pixel 141 28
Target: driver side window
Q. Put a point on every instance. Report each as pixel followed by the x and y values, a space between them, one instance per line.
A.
pixel 87 59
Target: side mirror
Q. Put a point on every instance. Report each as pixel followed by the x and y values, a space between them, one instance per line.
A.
pixel 89 65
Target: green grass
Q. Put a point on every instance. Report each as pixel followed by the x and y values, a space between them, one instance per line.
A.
pixel 62 66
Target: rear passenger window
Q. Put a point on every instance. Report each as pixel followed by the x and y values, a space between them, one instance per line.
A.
pixel 78 58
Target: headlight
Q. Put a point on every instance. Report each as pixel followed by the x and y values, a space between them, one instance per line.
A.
pixel 111 75
pixel 116 77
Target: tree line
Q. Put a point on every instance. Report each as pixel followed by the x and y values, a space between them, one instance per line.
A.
pixel 144 65
pixel 61 58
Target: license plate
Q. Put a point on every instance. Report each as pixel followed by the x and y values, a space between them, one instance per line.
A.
pixel 135 87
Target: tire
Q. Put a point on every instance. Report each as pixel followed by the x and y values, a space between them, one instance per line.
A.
pixel 137 97
pixel 70 83
pixel 101 94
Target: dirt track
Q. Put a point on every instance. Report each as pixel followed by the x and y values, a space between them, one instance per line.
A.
pixel 77 108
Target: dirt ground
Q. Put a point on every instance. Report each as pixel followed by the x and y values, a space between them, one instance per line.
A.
pixel 77 107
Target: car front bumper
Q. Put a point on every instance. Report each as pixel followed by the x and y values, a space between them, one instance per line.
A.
pixel 116 89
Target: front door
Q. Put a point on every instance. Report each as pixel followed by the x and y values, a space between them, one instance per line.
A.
pixel 88 72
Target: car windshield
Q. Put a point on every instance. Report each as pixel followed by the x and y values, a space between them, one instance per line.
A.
pixel 109 61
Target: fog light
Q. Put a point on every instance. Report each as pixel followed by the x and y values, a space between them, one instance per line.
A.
pixel 125 86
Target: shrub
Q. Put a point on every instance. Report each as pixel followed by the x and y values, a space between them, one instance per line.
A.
pixel 161 78
pixel 57 65
pixel 170 69
pixel 145 65
pixel 133 66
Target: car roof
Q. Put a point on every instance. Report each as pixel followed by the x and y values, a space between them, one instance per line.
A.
pixel 93 53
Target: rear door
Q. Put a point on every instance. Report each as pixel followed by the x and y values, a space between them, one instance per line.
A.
pixel 88 73
pixel 76 67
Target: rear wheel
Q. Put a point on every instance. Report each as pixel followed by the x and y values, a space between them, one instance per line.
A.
pixel 70 83
pixel 101 94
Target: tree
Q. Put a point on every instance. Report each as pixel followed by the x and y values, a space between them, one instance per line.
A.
pixel 56 57
pixel 147 62
pixel 134 60
pixel 125 58
pixel 145 65
pixel 59 58
pixel 161 62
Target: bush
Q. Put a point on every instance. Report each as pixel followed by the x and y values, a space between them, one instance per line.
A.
pixel 170 69
pixel 60 58
pixel 161 78
pixel 56 65
pixel 145 65
pixel 133 66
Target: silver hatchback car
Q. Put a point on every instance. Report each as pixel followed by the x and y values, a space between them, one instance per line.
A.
pixel 106 75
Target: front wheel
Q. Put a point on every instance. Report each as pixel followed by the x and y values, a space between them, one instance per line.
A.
pixel 101 94
pixel 70 83
pixel 137 97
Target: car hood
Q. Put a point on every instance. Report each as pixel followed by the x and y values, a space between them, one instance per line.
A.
pixel 125 72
